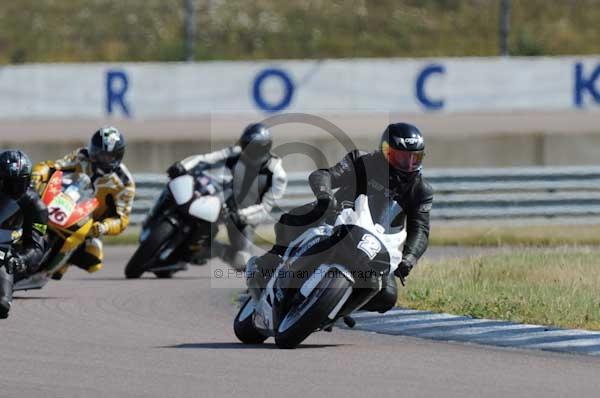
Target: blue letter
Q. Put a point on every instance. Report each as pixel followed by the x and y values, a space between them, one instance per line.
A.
pixel 581 84
pixel 288 87
pixel 426 101
pixel 116 88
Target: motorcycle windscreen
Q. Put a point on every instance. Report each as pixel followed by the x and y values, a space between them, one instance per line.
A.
pixel 182 189
pixel 7 236
pixel 53 188
pixel 82 211
pixel 206 208
pixel 11 216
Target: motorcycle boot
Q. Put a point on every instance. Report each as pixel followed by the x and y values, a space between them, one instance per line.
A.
pixel 386 299
pixel 88 256
pixel 259 271
pixel 58 275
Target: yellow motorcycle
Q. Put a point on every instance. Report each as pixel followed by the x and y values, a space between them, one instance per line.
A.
pixel 71 204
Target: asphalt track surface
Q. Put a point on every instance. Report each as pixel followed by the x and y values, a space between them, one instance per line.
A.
pixel 101 335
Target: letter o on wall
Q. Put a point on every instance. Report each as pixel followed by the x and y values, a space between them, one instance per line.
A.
pixel 288 90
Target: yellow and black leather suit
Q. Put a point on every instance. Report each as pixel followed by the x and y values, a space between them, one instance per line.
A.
pixel 114 191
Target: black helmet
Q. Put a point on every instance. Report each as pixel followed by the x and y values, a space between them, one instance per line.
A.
pixel 15 173
pixel 403 146
pixel 107 148
pixel 256 142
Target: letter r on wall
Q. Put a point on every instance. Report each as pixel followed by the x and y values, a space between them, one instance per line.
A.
pixel 117 84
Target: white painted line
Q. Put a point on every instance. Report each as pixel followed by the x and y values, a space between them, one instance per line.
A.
pixel 406 319
pixel 447 322
pixel 487 329
pixel 550 334
pixel 567 343
pixel 450 327
pixel 399 311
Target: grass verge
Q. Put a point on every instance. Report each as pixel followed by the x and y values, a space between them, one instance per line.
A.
pixel 542 236
pixel 554 287
pixel 129 237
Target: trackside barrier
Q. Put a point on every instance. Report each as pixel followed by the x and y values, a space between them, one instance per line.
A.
pixel 461 194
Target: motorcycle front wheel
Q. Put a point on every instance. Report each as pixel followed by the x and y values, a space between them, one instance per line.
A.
pixel 149 249
pixel 303 319
pixel 243 326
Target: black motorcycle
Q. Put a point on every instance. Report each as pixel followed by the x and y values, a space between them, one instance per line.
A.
pixel 184 217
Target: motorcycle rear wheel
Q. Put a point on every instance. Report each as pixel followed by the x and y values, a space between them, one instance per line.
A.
pixel 148 249
pixel 302 320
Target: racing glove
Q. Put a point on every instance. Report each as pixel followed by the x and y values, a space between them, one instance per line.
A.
pixel 176 170
pixel 326 201
pixel 98 229
pixel 16 265
pixel 404 268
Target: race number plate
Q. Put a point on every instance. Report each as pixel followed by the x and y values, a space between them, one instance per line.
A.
pixel 370 245
pixel 60 209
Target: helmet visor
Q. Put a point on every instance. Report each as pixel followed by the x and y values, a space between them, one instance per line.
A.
pixel 106 161
pixel 15 187
pixel 405 161
pixel 256 152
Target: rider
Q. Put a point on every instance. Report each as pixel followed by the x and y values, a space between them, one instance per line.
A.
pixel 258 181
pixel 15 177
pixel 391 174
pixel 114 188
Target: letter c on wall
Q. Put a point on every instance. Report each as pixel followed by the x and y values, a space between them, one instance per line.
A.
pixel 428 102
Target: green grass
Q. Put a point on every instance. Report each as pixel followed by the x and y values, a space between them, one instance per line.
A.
pixel 264 236
pixel 129 237
pixel 553 287
pixel 152 30
pixel 541 236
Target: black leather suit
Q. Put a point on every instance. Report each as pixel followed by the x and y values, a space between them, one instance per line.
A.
pixel 367 173
pixel 30 215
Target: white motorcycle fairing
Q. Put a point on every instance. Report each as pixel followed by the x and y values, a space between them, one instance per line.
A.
pixel 361 217
pixel 182 189
pixel 206 208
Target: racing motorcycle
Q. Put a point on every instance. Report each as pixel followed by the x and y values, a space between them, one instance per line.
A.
pixel 71 204
pixel 326 274
pixel 180 227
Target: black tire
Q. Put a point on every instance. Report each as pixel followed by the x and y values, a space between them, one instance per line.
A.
pixel 320 302
pixel 244 328
pixel 164 274
pixel 146 251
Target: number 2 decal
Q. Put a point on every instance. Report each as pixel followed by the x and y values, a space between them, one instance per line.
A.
pixel 370 245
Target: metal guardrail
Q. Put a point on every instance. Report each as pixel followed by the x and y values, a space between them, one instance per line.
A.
pixel 463 194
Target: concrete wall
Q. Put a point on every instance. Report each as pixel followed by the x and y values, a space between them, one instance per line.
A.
pixel 168 90
pixel 474 111
pixel 490 150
